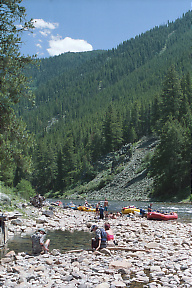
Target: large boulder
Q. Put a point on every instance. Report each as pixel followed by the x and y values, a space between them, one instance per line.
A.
pixel 120 264
pixel 4 199
pixel 17 221
pixel 48 213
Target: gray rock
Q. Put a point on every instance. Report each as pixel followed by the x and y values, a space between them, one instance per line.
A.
pixel 31 277
pixel 83 286
pixel 48 213
pixel 184 267
pixel 118 283
pixel 4 199
pixel 17 221
pixel 42 220
pixel 103 285
pixel 152 245
pixel 67 278
pixel 76 275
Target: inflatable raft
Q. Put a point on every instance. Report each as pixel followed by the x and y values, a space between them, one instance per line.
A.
pixel 129 210
pixel 161 216
pixel 87 209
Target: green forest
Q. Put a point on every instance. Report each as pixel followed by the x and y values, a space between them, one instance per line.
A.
pixel 59 115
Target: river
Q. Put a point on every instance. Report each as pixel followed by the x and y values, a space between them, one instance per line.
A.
pixel 184 211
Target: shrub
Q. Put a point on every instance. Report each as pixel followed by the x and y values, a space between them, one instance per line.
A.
pixel 25 190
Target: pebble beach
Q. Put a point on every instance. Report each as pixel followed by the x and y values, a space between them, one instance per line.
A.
pixel 149 253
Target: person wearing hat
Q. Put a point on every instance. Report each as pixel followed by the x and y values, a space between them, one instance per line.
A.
pixel 100 240
pixel 38 244
pixel 101 212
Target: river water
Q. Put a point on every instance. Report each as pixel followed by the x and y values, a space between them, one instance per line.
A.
pixel 62 240
pixel 65 240
pixel 184 211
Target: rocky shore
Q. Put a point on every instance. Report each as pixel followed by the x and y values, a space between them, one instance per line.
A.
pixel 149 253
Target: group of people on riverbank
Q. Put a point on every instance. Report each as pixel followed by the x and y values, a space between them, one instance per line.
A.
pixel 102 210
pixel 103 236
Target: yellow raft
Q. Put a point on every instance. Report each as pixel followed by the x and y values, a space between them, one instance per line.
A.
pixel 129 210
pixel 87 209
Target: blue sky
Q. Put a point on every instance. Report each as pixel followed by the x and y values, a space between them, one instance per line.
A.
pixel 85 25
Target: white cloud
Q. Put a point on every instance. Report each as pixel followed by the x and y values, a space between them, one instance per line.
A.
pixel 40 54
pixel 39 45
pixel 41 24
pixel 45 33
pixel 59 46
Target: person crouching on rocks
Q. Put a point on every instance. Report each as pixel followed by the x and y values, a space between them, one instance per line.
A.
pixel 38 244
pixel 100 240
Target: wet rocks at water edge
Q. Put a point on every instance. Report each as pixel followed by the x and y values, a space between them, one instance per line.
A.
pixel 149 254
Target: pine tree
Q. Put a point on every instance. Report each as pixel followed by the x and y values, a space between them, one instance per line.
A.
pixel 112 130
pixel 68 162
pixel 186 86
pixel 45 172
pixel 13 87
pixel 107 130
pixel 171 97
pixel 170 165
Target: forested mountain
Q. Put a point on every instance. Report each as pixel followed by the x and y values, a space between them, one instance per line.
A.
pixel 88 104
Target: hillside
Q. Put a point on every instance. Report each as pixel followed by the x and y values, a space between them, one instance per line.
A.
pixel 78 86
pixel 131 183
pixel 90 104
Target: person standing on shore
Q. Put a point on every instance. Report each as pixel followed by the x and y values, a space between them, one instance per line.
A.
pixel 150 208
pixel 106 204
pixel 101 211
pixel 97 208
pixel 38 244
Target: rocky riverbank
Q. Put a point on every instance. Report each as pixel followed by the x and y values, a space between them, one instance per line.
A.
pixel 149 254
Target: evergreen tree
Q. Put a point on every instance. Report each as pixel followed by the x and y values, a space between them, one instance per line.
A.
pixel 126 125
pixel 186 86
pixel 60 172
pixel 107 130
pixel 68 162
pixel 171 97
pixel 170 165
pixel 95 146
pixel 112 130
pixel 13 87
pixel 155 113
pixel 45 170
